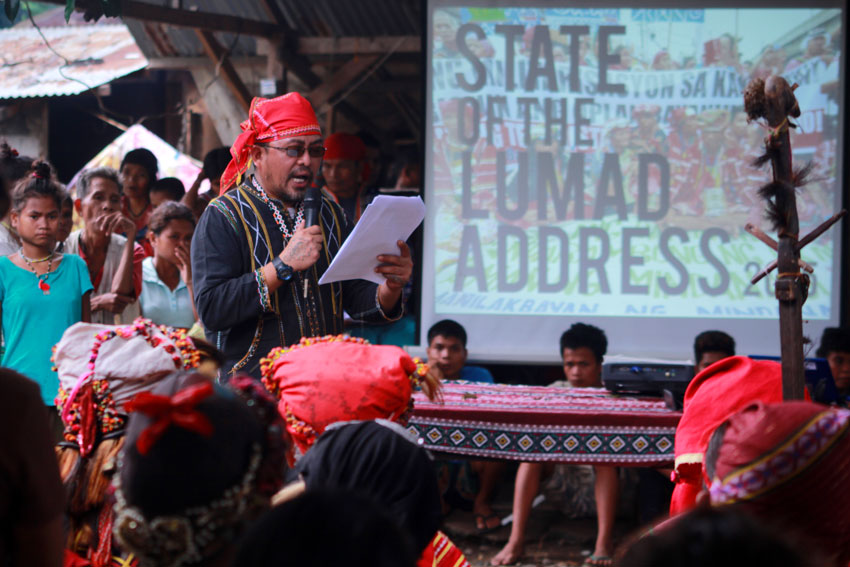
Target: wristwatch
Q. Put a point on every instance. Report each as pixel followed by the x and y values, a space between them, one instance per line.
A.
pixel 284 271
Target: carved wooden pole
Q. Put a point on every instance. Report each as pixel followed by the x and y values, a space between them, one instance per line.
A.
pixel 774 100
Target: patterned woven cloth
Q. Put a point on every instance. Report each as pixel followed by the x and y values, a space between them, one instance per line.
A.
pixel 532 423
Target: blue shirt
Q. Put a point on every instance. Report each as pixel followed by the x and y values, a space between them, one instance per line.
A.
pixel 476 374
pixel 33 321
pixel 162 305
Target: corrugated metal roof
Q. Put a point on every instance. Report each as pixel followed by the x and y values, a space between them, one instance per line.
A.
pixel 314 19
pixel 318 18
pixel 95 55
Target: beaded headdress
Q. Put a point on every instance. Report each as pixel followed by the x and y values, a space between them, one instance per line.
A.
pixel 101 366
pixel 323 380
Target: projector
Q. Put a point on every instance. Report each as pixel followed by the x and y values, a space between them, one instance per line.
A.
pixel 649 379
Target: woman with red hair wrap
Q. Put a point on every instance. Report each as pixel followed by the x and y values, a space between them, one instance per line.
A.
pixel 788 464
pixel 321 382
pixel 712 396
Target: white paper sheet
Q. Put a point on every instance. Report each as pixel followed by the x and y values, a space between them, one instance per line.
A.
pixel 385 221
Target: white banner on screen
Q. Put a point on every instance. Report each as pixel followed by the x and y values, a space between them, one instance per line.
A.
pixel 594 165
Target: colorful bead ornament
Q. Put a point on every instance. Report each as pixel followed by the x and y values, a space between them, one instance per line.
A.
pixel 263 290
pixel 278 217
pixel 109 419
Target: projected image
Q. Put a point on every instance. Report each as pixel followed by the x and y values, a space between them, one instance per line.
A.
pixel 596 162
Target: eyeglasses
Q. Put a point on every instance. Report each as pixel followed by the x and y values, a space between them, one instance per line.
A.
pixel 298 151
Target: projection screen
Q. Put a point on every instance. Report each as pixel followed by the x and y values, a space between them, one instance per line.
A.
pixel 594 164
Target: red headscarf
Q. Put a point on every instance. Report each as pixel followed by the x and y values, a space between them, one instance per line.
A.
pixel 712 396
pixel 790 463
pixel 321 381
pixel 268 120
pixel 347 146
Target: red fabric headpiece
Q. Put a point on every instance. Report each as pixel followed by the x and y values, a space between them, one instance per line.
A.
pixel 322 381
pixel 713 395
pixel 347 146
pixel 272 119
pixel 789 463
pixel 178 410
pixel 344 146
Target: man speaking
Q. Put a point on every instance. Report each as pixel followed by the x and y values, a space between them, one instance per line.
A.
pixel 255 263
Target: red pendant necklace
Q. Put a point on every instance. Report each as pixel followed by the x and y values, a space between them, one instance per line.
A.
pixel 42 279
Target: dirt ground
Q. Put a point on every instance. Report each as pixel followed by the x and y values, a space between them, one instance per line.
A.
pixel 552 540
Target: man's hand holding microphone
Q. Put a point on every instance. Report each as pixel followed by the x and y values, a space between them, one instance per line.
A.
pixel 303 249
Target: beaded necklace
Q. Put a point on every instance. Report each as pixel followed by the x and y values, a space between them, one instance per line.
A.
pixel 278 217
pixel 42 279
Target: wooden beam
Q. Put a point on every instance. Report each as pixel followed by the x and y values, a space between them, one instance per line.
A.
pixel 217 53
pixel 391 85
pixel 194 62
pixel 320 95
pixel 202 20
pixel 191 19
pixel 273 11
pixel 358 45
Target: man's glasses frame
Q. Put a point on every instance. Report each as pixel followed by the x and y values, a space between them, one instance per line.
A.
pixel 297 151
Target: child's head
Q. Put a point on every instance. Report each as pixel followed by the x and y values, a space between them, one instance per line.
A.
pixel 171 226
pixel 711 346
pixel 138 172
pixel 215 162
pixel 447 347
pixel 835 348
pixel 13 166
pixel 166 189
pixel 36 201
pixel 66 218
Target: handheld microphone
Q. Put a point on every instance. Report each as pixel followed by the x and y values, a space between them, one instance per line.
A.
pixel 312 205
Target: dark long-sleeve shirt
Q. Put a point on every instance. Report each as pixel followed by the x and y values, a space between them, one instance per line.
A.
pixel 236 236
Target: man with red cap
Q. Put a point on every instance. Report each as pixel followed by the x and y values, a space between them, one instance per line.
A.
pixel 344 170
pixel 253 258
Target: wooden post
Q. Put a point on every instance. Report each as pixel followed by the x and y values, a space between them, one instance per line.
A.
pixel 773 99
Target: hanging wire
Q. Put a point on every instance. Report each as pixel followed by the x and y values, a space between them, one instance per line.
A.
pixel 179 109
pixel 69 63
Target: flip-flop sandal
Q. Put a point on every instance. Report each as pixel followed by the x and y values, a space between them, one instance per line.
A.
pixel 483 523
pixel 598 561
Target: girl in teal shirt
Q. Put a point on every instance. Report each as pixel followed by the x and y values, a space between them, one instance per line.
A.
pixel 42 292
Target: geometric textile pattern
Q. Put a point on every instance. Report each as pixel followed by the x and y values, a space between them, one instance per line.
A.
pixel 532 423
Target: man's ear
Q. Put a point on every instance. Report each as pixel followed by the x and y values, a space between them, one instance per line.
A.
pixel 256 154
pixel 78 206
pixel 465 355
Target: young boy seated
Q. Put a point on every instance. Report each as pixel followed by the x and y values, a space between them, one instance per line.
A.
pixel 447 352
pixel 835 348
pixel 582 349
